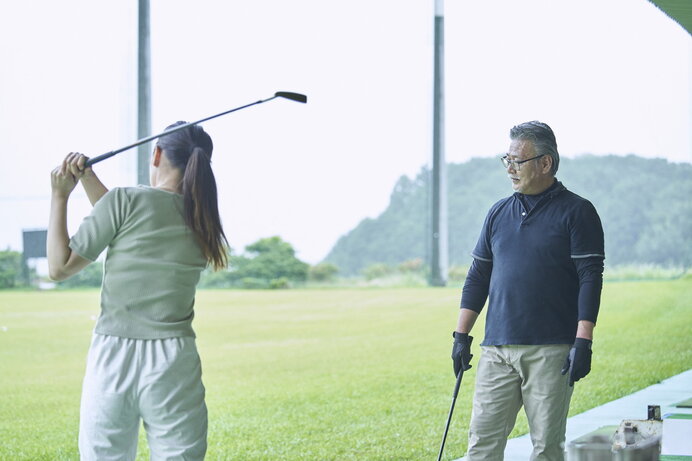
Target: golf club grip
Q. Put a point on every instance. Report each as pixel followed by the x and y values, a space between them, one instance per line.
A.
pixel 460 375
pixel 99 158
pixel 458 384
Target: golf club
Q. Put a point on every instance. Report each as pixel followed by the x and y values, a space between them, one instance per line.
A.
pixel 451 409
pixel 279 94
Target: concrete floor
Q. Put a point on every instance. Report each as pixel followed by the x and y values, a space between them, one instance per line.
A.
pixel 666 394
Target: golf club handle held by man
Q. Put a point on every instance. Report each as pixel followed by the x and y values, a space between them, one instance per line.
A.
pixel 297 97
pixel 458 383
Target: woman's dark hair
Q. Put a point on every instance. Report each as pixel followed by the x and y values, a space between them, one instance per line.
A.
pixel 190 150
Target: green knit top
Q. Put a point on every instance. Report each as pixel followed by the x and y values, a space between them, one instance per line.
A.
pixel 152 265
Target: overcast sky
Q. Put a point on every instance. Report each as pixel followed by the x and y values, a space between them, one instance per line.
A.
pixel 610 77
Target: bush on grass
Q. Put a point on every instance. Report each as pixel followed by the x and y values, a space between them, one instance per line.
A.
pixel 323 272
pixel 11 269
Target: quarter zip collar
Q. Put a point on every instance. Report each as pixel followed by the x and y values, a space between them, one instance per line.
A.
pixel 530 203
pixel 555 188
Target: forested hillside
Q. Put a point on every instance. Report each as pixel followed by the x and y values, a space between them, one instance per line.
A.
pixel 645 206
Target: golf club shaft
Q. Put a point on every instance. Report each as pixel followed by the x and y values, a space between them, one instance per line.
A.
pixel 451 410
pixel 281 94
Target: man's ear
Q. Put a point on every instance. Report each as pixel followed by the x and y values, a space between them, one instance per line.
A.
pixel 547 163
pixel 156 156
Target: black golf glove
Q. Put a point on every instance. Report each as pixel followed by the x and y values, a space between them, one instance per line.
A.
pixel 461 351
pixel 578 361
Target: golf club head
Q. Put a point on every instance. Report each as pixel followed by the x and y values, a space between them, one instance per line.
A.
pixel 292 96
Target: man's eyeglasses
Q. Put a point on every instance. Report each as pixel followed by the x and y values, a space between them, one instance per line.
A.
pixel 516 164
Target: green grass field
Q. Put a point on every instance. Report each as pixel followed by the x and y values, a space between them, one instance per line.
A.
pixel 343 374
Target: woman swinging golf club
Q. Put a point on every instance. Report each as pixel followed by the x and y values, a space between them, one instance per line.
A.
pixel 143 362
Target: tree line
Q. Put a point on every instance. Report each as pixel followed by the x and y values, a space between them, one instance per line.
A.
pixel 267 263
pixel 644 205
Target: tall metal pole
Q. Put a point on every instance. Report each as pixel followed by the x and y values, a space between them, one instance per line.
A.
pixel 439 256
pixel 143 92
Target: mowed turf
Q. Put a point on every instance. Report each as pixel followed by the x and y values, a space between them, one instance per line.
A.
pixel 343 374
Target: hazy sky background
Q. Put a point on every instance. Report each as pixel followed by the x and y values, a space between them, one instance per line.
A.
pixel 610 77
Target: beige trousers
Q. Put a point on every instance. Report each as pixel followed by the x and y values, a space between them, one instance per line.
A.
pixel 509 377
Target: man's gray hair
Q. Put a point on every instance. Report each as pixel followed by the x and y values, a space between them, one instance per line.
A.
pixel 542 137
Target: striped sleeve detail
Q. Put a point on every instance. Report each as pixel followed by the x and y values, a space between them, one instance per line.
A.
pixel 475 256
pixel 592 255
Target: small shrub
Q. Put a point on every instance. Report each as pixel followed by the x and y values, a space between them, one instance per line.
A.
pixel 642 272
pixel 10 269
pixel 376 271
pixel 279 284
pixel 457 273
pixel 216 279
pixel 267 259
pixel 411 266
pixel 323 272
pixel 252 283
pixel 398 279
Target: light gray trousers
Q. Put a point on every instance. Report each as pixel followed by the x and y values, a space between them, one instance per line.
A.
pixel 509 377
pixel 158 381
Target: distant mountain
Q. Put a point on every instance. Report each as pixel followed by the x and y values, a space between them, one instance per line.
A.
pixel 645 206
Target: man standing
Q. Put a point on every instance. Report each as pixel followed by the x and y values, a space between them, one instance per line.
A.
pixel 539 260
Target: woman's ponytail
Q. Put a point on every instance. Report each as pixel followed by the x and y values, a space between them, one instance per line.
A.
pixel 190 151
pixel 201 208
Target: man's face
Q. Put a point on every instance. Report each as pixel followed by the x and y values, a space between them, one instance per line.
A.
pixel 532 177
